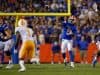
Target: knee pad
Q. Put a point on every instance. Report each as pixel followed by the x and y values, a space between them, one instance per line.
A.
pixel 8 53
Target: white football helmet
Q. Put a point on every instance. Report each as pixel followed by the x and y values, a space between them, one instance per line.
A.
pixel 22 23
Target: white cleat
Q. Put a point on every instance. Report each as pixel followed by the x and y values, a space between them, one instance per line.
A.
pixel 59 62
pixel 52 62
pixel 9 66
pixel 72 66
pixel 35 60
pixel 22 70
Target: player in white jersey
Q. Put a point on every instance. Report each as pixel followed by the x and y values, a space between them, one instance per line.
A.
pixel 97 54
pixel 28 46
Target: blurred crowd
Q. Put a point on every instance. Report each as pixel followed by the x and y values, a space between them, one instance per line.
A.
pixel 86 12
pixel 33 6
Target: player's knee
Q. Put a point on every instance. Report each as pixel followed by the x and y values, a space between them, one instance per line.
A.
pixel 63 50
pixel 21 57
pixel 8 53
pixel 70 49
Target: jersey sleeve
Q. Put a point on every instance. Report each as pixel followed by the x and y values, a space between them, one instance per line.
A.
pixel 17 29
pixel 64 24
pixel 18 38
pixel 74 30
pixel 5 27
pixel 31 31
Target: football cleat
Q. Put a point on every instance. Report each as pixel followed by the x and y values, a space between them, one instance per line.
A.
pixel 22 70
pixel 9 66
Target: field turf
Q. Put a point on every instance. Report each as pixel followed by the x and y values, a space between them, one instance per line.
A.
pixel 53 69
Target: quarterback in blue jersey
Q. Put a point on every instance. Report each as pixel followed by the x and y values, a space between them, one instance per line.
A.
pixel 6 41
pixel 68 30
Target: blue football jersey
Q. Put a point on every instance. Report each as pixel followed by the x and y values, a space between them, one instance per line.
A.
pixel 78 36
pixel 68 30
pixel 3 27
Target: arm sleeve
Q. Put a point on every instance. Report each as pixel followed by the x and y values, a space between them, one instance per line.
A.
pixel 74 30
pixel 18 39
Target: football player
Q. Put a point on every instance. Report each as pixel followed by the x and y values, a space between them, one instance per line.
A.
pixel 6 42
pixel 27 47
pixel 68 30
pixel 97 54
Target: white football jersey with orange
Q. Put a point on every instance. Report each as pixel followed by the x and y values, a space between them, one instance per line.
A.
pixel 26 33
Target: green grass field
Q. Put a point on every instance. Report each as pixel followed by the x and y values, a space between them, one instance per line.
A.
pixel 55 69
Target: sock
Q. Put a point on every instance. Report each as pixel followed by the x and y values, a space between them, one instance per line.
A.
pixel 21 63
pixel 64 55
pixel 36 60
pixel 72 63
pixel 33 60
pixel 94 61
pixel 10 61
pixel 71 56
